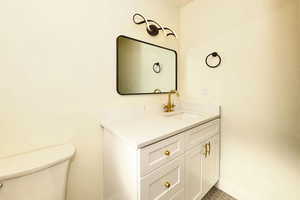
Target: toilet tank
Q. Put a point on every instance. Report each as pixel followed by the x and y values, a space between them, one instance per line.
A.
pixel 37 175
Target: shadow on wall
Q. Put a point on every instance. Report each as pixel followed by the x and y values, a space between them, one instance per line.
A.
pixel 256 86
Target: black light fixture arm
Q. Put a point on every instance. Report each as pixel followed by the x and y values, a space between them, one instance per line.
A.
pixel 170 32
pixel 152 26
pixel 144 19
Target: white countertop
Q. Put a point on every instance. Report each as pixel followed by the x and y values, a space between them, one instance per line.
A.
pixel 141 128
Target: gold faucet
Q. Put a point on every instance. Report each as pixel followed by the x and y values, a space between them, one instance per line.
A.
pixel 170 106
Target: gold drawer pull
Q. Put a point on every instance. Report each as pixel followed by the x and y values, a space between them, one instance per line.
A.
pixel 1 185
pixel 167 184
pixel 205 150
pixel 167 153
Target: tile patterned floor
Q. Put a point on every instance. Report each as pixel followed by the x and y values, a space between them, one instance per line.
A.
pixel 215 194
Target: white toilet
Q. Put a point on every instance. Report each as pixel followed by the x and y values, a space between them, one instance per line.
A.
pixel 37 175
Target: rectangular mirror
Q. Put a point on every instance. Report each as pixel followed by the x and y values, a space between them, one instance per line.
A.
pixel 144 68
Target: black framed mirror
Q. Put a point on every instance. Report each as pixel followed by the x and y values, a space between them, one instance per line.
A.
pixel 145 68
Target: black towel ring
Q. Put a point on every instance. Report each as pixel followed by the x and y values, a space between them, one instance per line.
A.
pixel 214 54
pixel 156 67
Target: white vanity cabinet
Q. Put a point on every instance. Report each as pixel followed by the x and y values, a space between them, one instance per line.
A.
pixel 212 164
pixel 194 173
pixel 202 168
pixel 180 167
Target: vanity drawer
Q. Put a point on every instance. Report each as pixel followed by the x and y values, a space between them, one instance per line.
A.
pixel 178 196
pixel 199 134
pixel 155 155
pixel 165 183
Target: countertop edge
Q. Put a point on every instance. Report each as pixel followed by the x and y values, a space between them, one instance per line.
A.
pixel 158 139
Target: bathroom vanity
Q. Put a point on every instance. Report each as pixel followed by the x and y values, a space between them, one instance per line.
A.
pixel 157 152
pixel 158 156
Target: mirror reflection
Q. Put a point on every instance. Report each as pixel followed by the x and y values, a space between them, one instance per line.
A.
pixel 144 68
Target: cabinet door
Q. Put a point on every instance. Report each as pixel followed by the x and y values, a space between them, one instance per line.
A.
pixel 194 171
pixel 212 162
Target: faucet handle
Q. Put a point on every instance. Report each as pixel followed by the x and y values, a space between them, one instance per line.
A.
pixel 166 107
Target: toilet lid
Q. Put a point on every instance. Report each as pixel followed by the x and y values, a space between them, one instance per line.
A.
pixel 30 162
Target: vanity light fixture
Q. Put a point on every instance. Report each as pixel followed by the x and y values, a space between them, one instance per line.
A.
pixel 152 26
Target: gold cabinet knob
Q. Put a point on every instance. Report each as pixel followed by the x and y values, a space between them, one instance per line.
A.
pixel 1 185
pixel 167 184
pixel 167 153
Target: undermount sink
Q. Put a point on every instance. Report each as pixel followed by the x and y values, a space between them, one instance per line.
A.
pixel 183 116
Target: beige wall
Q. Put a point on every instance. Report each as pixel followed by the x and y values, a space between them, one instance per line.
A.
pixel 57 70
pixel 257 86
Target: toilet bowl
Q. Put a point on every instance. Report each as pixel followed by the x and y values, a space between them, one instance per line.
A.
pixel 37 175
